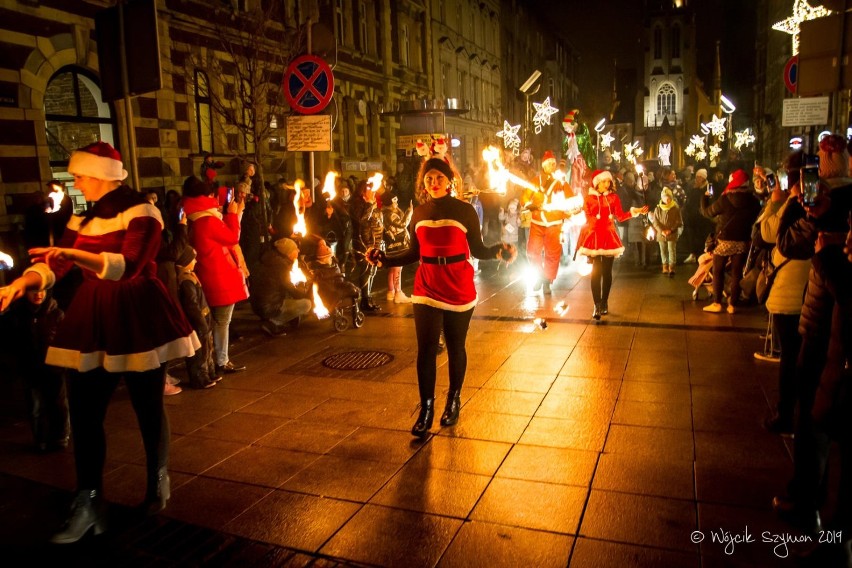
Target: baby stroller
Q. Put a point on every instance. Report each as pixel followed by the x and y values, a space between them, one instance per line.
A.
pixel 341 298
pixel 703 277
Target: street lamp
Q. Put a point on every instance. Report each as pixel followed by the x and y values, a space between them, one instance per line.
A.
pixel 525 89
pixel 599 128
pixel 728 108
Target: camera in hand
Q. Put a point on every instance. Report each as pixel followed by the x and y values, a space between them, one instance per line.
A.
pixel 810 180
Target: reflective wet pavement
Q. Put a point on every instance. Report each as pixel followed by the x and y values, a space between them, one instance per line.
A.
pixel 579 444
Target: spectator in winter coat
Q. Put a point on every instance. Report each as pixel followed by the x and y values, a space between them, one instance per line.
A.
pixel 201 367
pixel 275 299
pixel 734 213
pixel 367 232
pixel 396 239
pixel 666 223
pixel 214 237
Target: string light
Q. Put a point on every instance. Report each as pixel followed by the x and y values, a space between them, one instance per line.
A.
pixel 543 112
pixel 802 12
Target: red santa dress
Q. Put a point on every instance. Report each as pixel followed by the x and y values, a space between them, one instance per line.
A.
pixel 599 236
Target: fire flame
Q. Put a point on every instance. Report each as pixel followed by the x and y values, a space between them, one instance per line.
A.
pixel 498 175
pixel 650 233
pixel 296 274
pixel 6 260
pixel 584 268
pixel 375 181
pixel 319 308
pixel 55 199
pixel 300 227
pixel 330 184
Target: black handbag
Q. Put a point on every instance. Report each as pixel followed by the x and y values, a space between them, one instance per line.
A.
pixel 766 278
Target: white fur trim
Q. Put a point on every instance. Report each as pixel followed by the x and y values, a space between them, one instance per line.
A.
pixel 602 176
pixel 600 252
pixel 114 266
pixel 427 301
pixel 133 362
pixel 99 167
pixel 48 278
pixel 440 223
pixel 99 226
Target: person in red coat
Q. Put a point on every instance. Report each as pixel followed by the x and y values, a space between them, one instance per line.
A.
pixel 599 239
pixel 214 237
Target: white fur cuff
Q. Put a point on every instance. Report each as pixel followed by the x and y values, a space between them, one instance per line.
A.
pixel 113 266
pixel 48 278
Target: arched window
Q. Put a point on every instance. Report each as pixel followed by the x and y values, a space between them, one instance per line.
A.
pixel 675 49
pixel 658 43
pixel 74 115
pixel 203 112
pixel 666 100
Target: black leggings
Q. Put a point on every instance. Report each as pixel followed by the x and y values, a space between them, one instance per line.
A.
pixel 428 323
pixel 89 394
pixel 601 278
pixel 737 264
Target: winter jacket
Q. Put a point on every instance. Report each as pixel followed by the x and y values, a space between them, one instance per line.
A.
pixel 788 288
pixel 734 212
pixel 214 238
pixel 193 302
pixel 667 219
pixel 367 225
pixel 395 222
pixel 26 330
pixel 271 284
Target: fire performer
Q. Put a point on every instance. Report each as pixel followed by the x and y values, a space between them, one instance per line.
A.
pixel 444 234
pixel 121 323
pixel 544 248
pixel 599 239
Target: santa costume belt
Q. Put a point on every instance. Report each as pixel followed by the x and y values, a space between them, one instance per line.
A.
pixel 443 259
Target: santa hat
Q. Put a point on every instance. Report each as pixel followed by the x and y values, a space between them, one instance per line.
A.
pixel 548 155
pixel 737 179
pixel 98 160
pixel 833 157
pixel 599 176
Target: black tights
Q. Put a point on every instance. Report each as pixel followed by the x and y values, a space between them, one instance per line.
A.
pixel 89 394
pixel 428 323
pixel 601 278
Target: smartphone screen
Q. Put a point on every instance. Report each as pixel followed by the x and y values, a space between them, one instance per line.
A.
pixel 810 185
pixel 230 196
pixel 181 215
pixel 710 189
pixel 771 181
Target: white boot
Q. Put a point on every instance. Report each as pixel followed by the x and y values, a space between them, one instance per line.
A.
pixel 401 298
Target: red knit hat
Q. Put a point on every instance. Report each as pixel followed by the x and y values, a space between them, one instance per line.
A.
pixel 98 160
pixel 548 155
pixel 599 176
pixel 737 179
pixel 833 157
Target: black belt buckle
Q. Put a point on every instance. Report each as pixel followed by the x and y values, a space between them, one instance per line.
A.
pixel 441 259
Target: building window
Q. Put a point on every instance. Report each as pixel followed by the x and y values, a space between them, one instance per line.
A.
pixel 203 112
pixel 658 43
pixel 340 21
pixel 362 27
pixel 666 100
pixel 404 46
pixel 74 115
pixel 675 42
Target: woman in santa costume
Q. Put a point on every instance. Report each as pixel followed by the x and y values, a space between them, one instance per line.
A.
pixel 444 235
pixel 121 323
pixel 599 239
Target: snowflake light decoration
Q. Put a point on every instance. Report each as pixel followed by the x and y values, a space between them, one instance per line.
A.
pixel 510 137
pixel 607 140
pixel 543 112
pixel 717 127
pixel 743 138
pixel 690 149
pixel 802 12
pixel 700 155
pixel 715 150
pixel 616 156
pixel 697 142
pixel 632 151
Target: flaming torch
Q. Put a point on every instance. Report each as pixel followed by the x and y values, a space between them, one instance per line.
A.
pixel 498 175
pixel 330 184
pixel 375 181
pixel 55 196
pixel 300 226
pixel 319 308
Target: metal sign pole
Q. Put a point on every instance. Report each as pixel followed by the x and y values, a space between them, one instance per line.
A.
pixel 130 156
pixel 311 153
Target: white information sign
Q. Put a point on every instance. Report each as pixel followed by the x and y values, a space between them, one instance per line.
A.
pixel 309 133
pixel 810 111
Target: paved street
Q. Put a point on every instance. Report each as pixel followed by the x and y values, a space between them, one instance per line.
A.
pixel 579 444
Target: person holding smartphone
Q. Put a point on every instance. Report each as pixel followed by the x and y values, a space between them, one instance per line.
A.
pixel 734 213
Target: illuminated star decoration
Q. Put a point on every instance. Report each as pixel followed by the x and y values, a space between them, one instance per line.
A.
pixel 717 127
pixel 715 150
pixel 802 12
pixel 632 152
pixel 606 140
pixel 510 137
pixel 543 112
pixel 616 156
pixel 700 155
pixel 743 138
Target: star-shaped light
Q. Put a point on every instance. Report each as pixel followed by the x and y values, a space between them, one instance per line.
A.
pixel 802 12
pixel 606 140
pixel 700 155
pixel 715 150
pixel 697 142
pixel 543 112
pixel 743 138
pixel 717 127
pixel 690 149
pixel 616 156
pixel 510 137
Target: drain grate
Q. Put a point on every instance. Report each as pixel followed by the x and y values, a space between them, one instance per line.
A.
pixel 357 360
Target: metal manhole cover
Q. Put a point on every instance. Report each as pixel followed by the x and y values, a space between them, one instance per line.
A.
pixel 357 360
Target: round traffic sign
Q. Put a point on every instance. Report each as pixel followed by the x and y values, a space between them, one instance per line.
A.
pixel 308 84
pixel 791 73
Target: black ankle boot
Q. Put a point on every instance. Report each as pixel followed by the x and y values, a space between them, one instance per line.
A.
pixel 424 421
pixel 604 308
pixel 451 411
pixel 158 494
pixel 596 314
pixel 86 513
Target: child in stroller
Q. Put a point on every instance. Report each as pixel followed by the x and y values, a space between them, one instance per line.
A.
pixel 337 294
